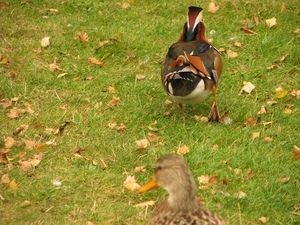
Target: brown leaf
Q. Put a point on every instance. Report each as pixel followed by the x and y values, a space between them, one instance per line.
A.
pixel 10 142
pixel 247 31
pixel 45 41
pixel 3 5
pixel 263 110
pixel 168 103
pixel 250 174
pixel 115 101
pixel 55 67
pixel 237 44
pixel 5 179
pixel 5 102
pixel 29 144
pixel 103 164
pixel 296 152
pixel 3 155
pixel 122 127
pixel 96 62
pixel 83 37
pixel 101 43
pixel 240 194
pixel 24 204
pixel 140 77
pixel 13 113
pixel 247 88
pixel 24 166
pixel 53 10
pixel 250 122
pixel 212 8
pixel 263 219
pixel 256 20
pixel 285 179
pixel 272 67
pixel 140 169
pixel 183 150
pixel 125 5
pixel 153 137
pixel 271 22
pixel 295 93
pixel 232 54
pixel 38 51
pixel 61 128
pixel 268 139
pixel 131 184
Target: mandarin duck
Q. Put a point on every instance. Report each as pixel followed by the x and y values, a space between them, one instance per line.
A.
pixel 181 206
pixel 192 67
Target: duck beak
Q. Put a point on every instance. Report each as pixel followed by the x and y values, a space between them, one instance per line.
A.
pixel 150 185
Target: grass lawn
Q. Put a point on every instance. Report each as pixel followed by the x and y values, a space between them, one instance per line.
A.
pixel 81 121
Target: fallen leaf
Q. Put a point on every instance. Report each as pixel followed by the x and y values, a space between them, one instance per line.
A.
pixel 5 179
pixel 125 5
pixel 288 111
pixel 13 185
pixel 115 101
pixel 215 147
pixel 24 204
pixel 122 127
pixel 55 67
pixel 295 93
pixel 38 51
pixel 272 67
pixel 247 31
pixel 96 62
pixel 10 142
pixel 131 184
pixel 271 103
pixel 296 152
pixel 240 194
pixel 83 37
pixel 255 135
pixel 45 41
pixel 140 77
pixel 271 22
pixel 153 137
pixel 112 90
pixel 268 139
pixel 90 223
pixel 250 122
pixel 282 58
pixel 183 150
pixel 238 44
pixel 250 174
pixel 144 143
pixel 145 204
pixel 269 123
pixel 3 155
pixel 13 113
pixel 24 166
pixel 168 103
pixel 256 20
pixel 101 43
pixel 112 125
pixel 140 169
pixel 263 110
pixel 203 119
pixel 285 179
pixel 5 102
pixel 61 128
pixel 263 219
pixel 206 181
pixel 212 8
pixel 247 88
pixel 232 54
pixel 3 5
pixel 29 144
pixel 281 94
pixel 62 75
pixel 103 164
pixel 54 10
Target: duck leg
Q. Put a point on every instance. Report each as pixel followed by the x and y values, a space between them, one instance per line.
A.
pixel 214 115
pixel 181 109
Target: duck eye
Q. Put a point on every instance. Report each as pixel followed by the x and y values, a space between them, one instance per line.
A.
pixel 158 168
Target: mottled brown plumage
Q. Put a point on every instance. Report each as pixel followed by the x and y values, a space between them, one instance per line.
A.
pixel 192 67
pixel 181 206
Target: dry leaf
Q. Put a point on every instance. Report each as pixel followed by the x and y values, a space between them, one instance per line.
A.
pixel 24 165
pixel 101 43
pixel 271 22
pixel 247 31
pixel 215 147
pixel 26 203
pixel 168 103
pixel 296 152
pixel 3 155
pixel 45 41
pixel 131 184
pixel 203 119
pixel 247 88
pixel 255 135
pixel 83 37
pixel 115 101
pixel 13 113
pixel 13 185
pixel 153 137
pixel 240 194
pixel 295 93
pixel 103 164
pixel 269 123
pixel 250 122
pixel 288 111
pixel 55 67
pixel 54 10
pixel 238 44
pixel 10 142
pixel 96 62
pixel 285 179
pixel 5 102
pixel 140 169
pixel 29 144
pixel 61 128
pixel 206 181
pixel 263 219
pixel 62 75
pixel 263 110
pixel 112 125
pixel 268 139
pixel 250 174
pixel 272 67
pixel 90 223
pixel 145 204
pixel 256 20
pixel 38 51
pixel 140 77
pixel 144 143
pixel 5 179
pixel 112 90
pixel 212 8
pixel 122 127
pixel 183 150
pixel 232 54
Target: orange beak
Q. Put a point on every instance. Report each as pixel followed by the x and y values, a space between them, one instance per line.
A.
pixel 150 185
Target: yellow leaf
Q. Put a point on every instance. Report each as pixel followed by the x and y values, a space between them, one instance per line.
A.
pixel 183 150
pixel 281 94
pixel 13 185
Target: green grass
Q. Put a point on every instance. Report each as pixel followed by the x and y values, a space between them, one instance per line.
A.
pixel 90 193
